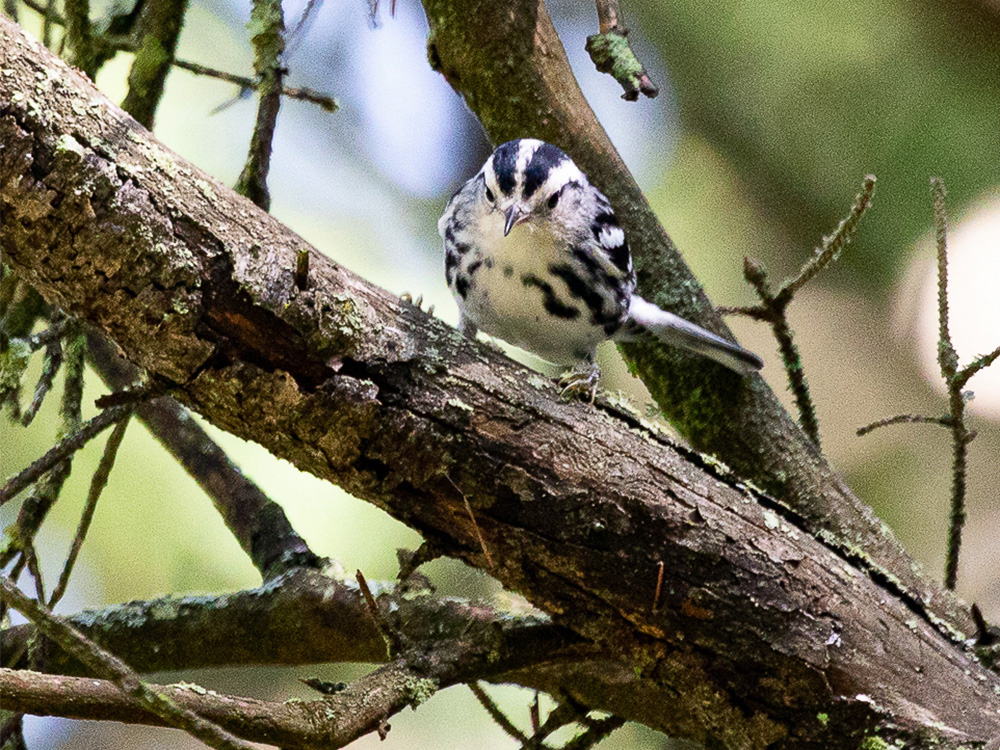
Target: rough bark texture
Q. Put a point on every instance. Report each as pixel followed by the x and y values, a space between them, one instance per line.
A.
pixel 763 634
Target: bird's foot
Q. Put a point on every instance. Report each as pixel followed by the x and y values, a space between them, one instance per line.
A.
pixel 580 382
pixel 418 302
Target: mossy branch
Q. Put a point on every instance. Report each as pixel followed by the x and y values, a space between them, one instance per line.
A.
pixel 610 51
pixel 955 379
pixel 267 34
pixel 774 305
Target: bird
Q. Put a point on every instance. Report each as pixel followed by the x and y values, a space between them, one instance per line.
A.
pixel 534 255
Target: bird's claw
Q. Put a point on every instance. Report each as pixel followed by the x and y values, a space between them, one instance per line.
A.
pixel 418 302
pixel 581 383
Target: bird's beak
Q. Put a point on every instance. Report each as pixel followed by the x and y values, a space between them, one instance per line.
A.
pixel 514 216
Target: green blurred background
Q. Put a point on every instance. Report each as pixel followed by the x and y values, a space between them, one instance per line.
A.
pixel 769 116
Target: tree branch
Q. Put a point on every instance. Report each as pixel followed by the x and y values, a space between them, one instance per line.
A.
pixel 258 524
pixel 111 668
pixel 761 625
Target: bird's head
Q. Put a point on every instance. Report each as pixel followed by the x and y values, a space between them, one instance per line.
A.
pixel 528 179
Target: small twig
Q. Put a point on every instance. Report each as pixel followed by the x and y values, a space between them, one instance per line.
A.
pixel 944 421
pixel 30 558
pixel 596 731
pixel 567 712
pixel 97 484
pixel 267 20
pixel 110 667
pixel 62 451
pixel 393 641
pixel 979 363
pixel 302 269
pixel 496 714
pixel 834 244
pixel 659 586
pixel 774 305
pixel 50 367
pixel 325 101
pixel 955 379
pixel 610 51
pixel 475 526
pixel 948 360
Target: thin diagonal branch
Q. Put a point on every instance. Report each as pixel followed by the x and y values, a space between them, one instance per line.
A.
pixel 62 450
pixel 944 421
pixel 110 667
pixel 774 305
pixel 267 25
pixel 496 714
pixel 979 363
pixel 160 24
pixel 258 524
pixel 97 484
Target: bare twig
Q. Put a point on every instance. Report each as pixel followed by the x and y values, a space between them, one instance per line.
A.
pixel 30 558
pixel 393 641
pixel 97 484
pixel 472 517
pixel 268 38
pixel 948 360
pixel 981 362
pixel 944 421
pixel 955 379
pixel 325 101
pixel 610 51
pixel 62 450
pixel 50 367
pixel 496 714
pixel 596 731
pixel 773 306
pixel 834 244
pixel 110 667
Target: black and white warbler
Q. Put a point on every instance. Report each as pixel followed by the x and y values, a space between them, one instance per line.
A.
pixel 534 255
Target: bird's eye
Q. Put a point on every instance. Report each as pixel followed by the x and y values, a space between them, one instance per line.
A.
pixel 554 199
pixel 489 196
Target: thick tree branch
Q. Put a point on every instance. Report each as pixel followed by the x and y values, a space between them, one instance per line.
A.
pixel 760 627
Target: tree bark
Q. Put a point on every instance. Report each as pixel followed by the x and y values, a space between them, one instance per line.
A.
pixel 763 634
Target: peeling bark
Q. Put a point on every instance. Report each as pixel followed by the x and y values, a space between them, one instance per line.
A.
pixel 763 635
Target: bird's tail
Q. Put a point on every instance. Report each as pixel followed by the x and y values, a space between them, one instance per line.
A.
pixel 674 330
